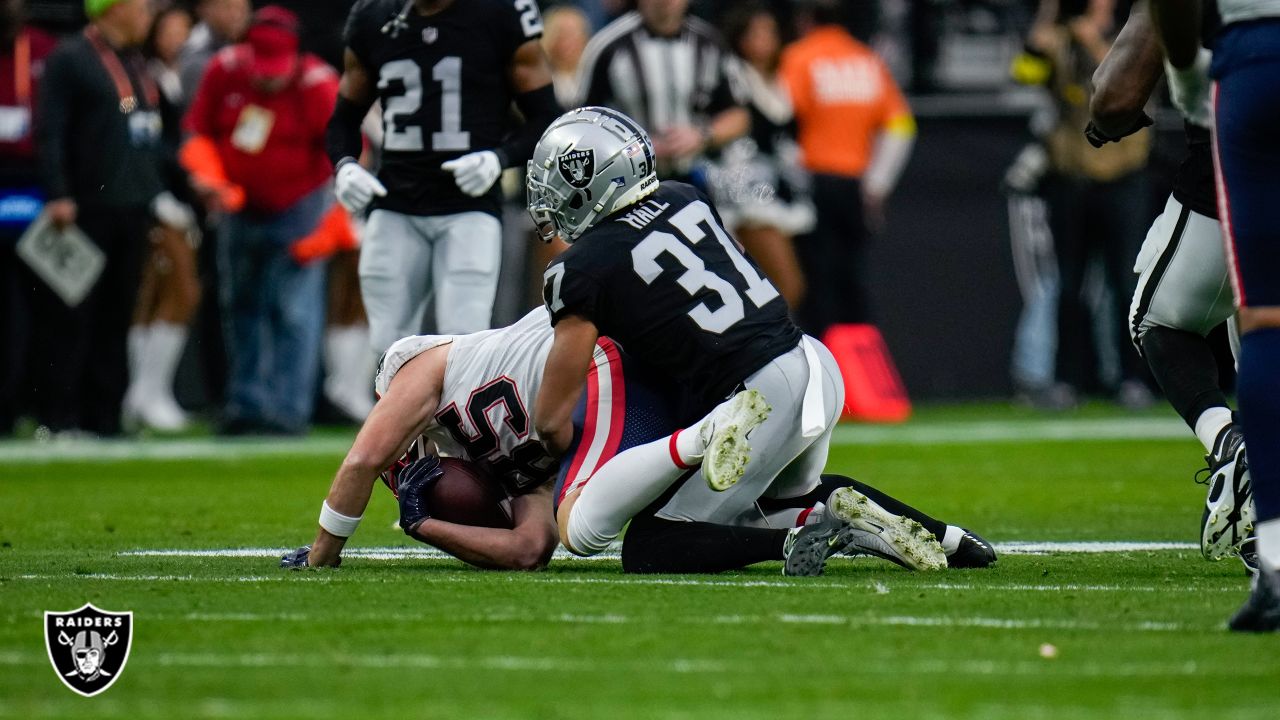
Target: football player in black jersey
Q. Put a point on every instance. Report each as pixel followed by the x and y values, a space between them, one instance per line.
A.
pixel 1183 290
pixel 652 267
pixel 446 73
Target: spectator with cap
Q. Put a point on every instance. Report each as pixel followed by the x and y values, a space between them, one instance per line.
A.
pixel 103 165
pixel 257 152
pixel 22 55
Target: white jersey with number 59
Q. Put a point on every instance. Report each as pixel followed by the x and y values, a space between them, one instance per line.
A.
pixel 491 382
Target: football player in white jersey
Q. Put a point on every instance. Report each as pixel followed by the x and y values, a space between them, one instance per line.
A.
pixel 469 396
pixel 459 396
pixel 466 396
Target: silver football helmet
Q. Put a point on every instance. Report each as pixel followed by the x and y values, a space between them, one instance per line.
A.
pixel 589 163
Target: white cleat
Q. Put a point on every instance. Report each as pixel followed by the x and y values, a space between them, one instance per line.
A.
pixel 724 435
pixel 1229 513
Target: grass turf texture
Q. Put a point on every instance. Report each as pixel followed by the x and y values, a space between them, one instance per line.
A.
pixel 1136 634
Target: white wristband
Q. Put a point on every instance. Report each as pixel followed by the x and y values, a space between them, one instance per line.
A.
pixel 335 523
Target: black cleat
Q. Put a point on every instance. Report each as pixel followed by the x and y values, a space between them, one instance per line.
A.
pixel 973 552
pixel 1261 612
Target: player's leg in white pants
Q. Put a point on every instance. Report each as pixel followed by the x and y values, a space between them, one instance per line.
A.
pixel 611 494
pixel 468 254
pixel 1183 285
pixel 1182 275
pixel 395 276
pixel 783 460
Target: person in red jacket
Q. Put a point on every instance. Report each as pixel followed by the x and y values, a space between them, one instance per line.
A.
pixel 257 153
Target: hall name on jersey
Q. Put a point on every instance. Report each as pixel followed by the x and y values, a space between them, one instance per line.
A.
pixel 644 213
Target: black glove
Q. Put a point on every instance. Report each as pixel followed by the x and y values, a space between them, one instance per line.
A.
pixel 297 559
pixel 411 485
pixel 1097 138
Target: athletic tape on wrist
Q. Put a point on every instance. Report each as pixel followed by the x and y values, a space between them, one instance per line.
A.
pixel 335 523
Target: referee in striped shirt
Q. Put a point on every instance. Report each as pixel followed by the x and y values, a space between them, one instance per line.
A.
pixel 673 74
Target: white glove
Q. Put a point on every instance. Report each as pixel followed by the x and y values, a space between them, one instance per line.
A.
pixel 356 187
pixel 475 173
pixel 173 212
pixel 1190 89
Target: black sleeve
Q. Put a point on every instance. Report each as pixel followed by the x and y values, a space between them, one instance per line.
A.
pixel 57 93
pixel 342 138
pixel 568 291
pixel 539 108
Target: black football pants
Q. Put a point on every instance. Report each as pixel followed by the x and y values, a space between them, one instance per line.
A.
pixel 834 257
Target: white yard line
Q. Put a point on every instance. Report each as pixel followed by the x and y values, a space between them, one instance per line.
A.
pixel 700 620
pixel 1062 666
pixel 1013 431
pixel 1017 547
pixel 20 452
pixel 551 579
pixel 514 663
pixel 1031 547
pixel 31 452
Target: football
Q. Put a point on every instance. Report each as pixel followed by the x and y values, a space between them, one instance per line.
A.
pixel 466 495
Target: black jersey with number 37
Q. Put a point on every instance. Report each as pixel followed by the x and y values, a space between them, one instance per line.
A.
pixel 664 279
pixel 444 83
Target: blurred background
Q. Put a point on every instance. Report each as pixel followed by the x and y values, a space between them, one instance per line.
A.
pixel 957 265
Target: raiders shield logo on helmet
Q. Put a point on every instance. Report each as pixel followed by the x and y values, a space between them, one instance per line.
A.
pixel 88 647
pixel 578 167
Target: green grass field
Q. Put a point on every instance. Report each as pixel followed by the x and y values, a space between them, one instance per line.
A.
pixel 1138 634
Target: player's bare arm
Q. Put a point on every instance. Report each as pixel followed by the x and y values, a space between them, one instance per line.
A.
pixel 399 417
pixel 567 365
pixel 526 546
pixel 1126 78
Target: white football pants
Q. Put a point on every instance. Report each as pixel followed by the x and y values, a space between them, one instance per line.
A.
pixel 1182 275
pixel 784 461
pixel 405 260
